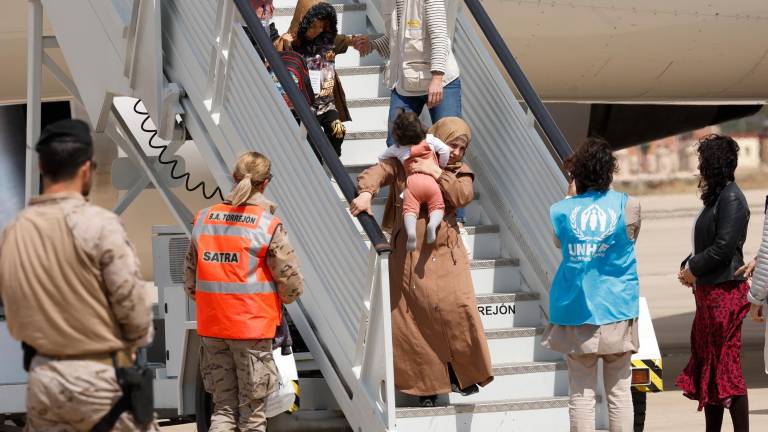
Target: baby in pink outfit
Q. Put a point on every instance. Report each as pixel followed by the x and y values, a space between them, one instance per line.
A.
pixel 413 143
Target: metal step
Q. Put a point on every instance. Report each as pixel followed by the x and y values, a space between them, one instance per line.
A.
pixel 496 275
pixel 518 344
pixel 500 275
pixel 351 18
pixel 368 114
pixel 363 148
pixel 363 81
pixel 521 380
pixel 482 241
pixel 519 415
pixel 505 311
pixel 281 11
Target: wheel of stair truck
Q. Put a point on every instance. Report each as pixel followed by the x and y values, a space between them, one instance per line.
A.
pixel 203 404
pixel 646 366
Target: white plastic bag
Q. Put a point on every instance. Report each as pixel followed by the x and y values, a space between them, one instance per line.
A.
pixel 284 395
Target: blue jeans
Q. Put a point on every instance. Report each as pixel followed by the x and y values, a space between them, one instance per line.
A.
pixel 450 107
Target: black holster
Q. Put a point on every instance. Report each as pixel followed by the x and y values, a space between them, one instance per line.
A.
pixel 282 338
pixel 136 383
pixel 29 353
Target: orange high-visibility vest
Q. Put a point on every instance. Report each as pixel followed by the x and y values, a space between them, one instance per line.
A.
pixel 236 296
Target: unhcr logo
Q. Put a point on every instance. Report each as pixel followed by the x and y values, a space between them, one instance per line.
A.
pixel 591 225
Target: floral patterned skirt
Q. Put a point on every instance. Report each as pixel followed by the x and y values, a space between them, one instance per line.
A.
pixel 713 374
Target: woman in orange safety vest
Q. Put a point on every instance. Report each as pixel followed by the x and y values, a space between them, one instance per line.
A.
pixel 240 270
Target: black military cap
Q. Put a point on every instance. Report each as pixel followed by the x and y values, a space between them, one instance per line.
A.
pixel 76 130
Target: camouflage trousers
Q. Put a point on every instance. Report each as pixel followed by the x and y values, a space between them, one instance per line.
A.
pixel 240 374
pixel 73 395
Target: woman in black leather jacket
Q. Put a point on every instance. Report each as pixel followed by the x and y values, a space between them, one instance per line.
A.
pixel 713 375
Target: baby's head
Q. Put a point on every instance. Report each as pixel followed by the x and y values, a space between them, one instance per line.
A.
pixel 407 129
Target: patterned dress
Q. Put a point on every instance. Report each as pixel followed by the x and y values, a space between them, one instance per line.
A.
pixel 713 375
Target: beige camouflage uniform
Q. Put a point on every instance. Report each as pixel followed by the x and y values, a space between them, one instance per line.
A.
pixel 240 374
pixel 71 288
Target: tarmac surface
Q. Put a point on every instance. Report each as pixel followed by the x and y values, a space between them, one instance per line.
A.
pixel 665 239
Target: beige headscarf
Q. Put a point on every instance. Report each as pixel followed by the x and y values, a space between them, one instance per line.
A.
pixel 448 128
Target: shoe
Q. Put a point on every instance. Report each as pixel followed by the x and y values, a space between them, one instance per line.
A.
pixel 467 391
pixel 428 401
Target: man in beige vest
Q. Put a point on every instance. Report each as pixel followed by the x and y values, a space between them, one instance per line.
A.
pixel 71 290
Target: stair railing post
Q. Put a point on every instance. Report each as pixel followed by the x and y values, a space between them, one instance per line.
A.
pixel 374 364
pixel 388 355
pixel 34 105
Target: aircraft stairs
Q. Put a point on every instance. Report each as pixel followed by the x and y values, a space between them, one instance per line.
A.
pixel 189 60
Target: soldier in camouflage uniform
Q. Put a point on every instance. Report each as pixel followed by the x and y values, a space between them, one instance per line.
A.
pixel 240 371
pixel 71 289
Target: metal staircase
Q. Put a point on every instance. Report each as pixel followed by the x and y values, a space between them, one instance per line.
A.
pixel 530 387
pixel 190 60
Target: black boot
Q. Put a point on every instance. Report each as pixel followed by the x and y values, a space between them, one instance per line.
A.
pixel 467 391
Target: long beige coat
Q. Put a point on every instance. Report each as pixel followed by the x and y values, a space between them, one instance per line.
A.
pixel 434 313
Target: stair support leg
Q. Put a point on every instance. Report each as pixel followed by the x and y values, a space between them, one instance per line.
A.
pixel 34 105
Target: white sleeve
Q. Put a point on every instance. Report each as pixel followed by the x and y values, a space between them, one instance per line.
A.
pixel 391 152
pixel 442 149
pixel 759 290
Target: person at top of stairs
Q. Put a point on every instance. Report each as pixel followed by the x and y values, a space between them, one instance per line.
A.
pixel 314 34
pixel 437 335
pixel 426 73
pixel 594 301
pixel 413 143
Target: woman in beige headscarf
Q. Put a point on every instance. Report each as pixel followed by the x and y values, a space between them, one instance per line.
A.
pixel 438 338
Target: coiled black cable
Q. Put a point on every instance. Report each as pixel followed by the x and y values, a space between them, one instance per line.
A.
pixel 186 176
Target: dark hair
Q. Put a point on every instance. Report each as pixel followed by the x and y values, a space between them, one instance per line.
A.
pixel 408 129
pixel 63 148
pixel 718 158
pixel 592 165
pixel 62 158
pixel 321 11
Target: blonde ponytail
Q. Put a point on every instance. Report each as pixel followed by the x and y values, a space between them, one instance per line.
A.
pixel 251 170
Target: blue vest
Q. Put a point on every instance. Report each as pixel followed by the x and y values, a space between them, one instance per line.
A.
pixel 597 280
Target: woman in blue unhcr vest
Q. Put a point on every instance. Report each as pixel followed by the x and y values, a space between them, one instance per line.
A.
pixel 594 300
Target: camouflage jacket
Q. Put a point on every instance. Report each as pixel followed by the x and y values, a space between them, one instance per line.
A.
pixel 70 280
